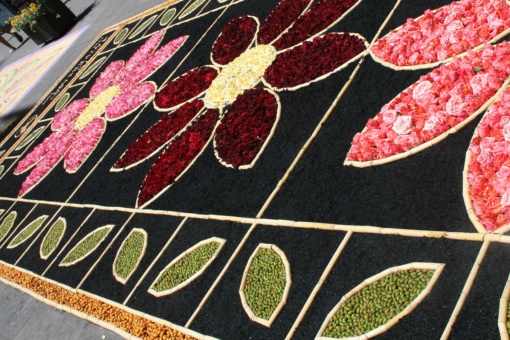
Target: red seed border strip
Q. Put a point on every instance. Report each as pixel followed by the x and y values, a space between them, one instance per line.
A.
pixel 119 319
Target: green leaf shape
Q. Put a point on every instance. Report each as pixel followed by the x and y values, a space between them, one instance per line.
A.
pixel 129 255
pixel 167 17
pixel 265 283
pixel 7 224
pixel 191 8
pixel 89 70
pixel 53 238
pixel 29 138
pixel 143 26
pixel 376 303
pixel 120 36
pixel 27 232
pixel 187 266
pixel 63 101
pixel 86 246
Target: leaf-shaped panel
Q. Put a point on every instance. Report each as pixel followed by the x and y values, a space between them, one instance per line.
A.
pixel 266 283
pixel 380 301
pixel 129 255
pixel 29 138
pixel 7 224
pixel 186 267
pixel 27 232
pixel 86 246
pixel 53 238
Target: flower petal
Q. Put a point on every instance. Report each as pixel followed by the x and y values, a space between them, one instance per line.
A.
pixel 133 75
pixel 487 169
pixel 178 156
pixel 280 18
pixel 50 160
pixel 235 38
pixel 85 142
pixel 158 135
pixel 184 88
pixel 129 100
pixel 439 35
pixel 106 77
pixel 246 128
pixel 440 103
pixel 69 114
pixel 314 60
pixel 319 18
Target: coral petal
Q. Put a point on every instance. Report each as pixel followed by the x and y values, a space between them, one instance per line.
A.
pixel 129 100
pixel 246 128
pixel 235 38
pixel 178 156
pixel 158 135
pixel 84 144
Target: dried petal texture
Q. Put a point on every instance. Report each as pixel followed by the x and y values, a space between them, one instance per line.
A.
pixel 444 33
pixel 184 88
pixel 177 157
pixel 246 127
pixel 312 60
pixel 321 16
pixel 129 100
pixel 159 135
pixel 106 77
pixel 235 38
pixel 280 18
pixel 69 114
pixel 438 102
pixel 488 172
pixel 84 144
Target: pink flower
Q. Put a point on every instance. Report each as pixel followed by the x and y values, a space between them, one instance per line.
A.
pixel 423 93
pixel 402 125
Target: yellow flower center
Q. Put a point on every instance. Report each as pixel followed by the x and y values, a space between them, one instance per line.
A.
pixel 96 107
pixel 241 74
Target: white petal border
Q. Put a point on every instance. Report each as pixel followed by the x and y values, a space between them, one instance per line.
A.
pixel 288 283
pixel 144 248
pixel 183 284
pixel 437 267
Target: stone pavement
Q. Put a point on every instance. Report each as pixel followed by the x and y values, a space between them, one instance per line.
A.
pixel 21 316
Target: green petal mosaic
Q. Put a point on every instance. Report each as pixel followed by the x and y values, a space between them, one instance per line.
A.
pixel 27 232
pixel 129 255
pixel 53 238
pixel 29 139
pixel 86 246
pixel 7 224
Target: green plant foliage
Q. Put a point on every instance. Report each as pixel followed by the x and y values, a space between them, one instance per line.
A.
pixel 130 254
pixel 53 237
pixel 377 303
pixel 86 246
pixel 30 138
pixel 265 283
pixel 27 232
pixel 7 224
pixel 191 8
pixel 186 267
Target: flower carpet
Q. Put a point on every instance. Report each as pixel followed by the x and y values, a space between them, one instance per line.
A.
pixel 272 169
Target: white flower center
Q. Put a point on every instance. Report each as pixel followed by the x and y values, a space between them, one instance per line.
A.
pixel 241 74
pixel 96 107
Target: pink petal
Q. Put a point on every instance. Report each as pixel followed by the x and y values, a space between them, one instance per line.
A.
pixel 443 33
pixel 158 135
pixel 280 18
pixel 246 128
pixel 69 114
pixel 184 88
pixel 85 142
pixel 319 18
pixel 128 101
pixel 106 77
pixel 235 38
pixel 313 60
pixel 50 160
pixel 178 156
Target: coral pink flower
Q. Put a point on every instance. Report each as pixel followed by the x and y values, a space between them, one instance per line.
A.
pixel 78 128
pixel 222 102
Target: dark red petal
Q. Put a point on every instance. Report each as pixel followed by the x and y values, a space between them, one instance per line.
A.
pixel 158 135
pixel 246 127
pixel 186 87
pixel 235 38
pixel 177 157
pixel 320 17
pixel 280 18
pixel 313 59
